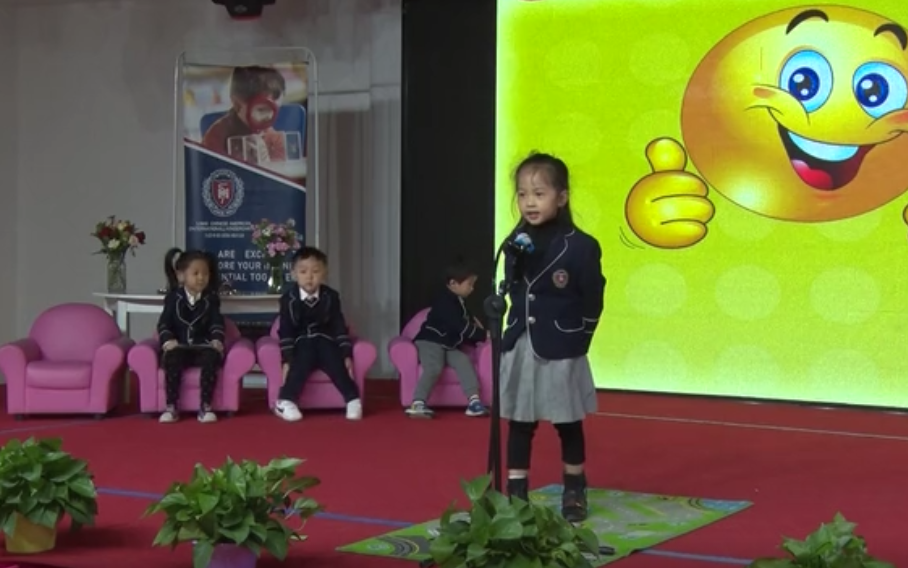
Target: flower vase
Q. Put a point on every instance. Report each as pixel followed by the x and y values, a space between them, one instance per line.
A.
pixel 276 276
pixel 116 274
pixel 232 556
pixel 29 538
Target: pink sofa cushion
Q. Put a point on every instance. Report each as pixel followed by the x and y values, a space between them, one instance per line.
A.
pixel 192 378
pixel 58 376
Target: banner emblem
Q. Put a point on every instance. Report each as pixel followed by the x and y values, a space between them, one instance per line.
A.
pixel 223 193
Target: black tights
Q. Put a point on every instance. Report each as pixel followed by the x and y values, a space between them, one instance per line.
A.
pixel 520 443
pixel 179 359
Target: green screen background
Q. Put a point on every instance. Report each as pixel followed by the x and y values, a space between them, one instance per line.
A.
pixel 760 308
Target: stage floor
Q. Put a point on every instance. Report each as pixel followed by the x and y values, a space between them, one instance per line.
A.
pixel 799 466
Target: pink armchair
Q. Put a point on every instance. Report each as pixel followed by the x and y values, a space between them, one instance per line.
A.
pixel 144 359
pixel 72 362
pixel 319 392
pixel 447 391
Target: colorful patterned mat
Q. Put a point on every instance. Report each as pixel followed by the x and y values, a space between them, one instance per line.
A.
pixel 626 522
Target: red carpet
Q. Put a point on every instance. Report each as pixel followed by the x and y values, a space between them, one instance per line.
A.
pixel 388 469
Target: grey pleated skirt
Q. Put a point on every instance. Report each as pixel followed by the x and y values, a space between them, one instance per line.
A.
pixel 534 389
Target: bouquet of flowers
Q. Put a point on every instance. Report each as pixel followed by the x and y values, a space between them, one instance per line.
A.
pixel 118 237
pixel 275 240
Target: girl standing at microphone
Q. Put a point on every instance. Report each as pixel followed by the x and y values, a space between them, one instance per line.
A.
pixel 556 299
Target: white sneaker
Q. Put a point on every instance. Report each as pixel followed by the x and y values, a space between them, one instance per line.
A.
pixel 169 416
pixel 207 417
pixel 288 410
pixel 355 410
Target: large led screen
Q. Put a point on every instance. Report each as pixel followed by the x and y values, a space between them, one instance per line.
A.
pixel 743 164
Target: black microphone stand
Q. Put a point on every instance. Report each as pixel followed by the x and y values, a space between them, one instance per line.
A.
pixel 495 307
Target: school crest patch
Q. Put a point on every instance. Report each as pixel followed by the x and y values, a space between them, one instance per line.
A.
pixel 223 192
pixel 560 278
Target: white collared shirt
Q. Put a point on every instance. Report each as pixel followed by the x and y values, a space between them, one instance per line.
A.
pixel 192 299
pixel 306 295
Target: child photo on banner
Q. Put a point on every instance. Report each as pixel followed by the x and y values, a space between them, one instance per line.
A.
pixel 244 142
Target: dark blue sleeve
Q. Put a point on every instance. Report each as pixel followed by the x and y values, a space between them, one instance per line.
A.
pixel 339 329
pixel 166 319
pixel 286 331
pixel 475 334
pixel 592 287
pixel 216 329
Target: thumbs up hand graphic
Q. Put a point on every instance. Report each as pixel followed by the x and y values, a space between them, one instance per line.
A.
pixel 669 207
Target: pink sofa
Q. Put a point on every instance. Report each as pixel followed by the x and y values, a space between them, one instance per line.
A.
pixel 319 391
pixel 72 362
pixel 144 359
pixel 447 391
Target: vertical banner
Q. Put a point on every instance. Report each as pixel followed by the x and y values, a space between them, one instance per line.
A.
pixel 245 159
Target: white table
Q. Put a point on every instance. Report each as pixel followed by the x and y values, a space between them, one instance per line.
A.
pixel 121 305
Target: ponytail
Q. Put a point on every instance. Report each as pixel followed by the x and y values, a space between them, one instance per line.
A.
pixel 170 269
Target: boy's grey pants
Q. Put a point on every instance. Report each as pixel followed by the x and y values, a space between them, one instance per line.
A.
pixel 434 357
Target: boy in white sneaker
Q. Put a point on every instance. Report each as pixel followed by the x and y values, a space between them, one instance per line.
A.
pixel 313 335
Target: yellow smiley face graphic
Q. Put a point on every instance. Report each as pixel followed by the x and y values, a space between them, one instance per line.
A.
pixel 798 115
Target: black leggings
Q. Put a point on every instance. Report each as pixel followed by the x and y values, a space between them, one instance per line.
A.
pixel 179 359
pixel 520 443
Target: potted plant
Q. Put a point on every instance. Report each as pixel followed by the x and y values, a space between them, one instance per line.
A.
pixel 39 484
pixel 498 532
pixel 833 545
pixel 233 512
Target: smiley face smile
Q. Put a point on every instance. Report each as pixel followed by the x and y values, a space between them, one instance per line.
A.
pixel 820 165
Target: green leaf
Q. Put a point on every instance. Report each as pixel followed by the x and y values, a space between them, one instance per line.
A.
pixel 477 488
pixel 771 563
pixel 285 463
pixel 441 549
pixel 277 544
pixel 877 564
pixel 202 552
pixel 242 503
pixel 500 533
pixel 9 524
pixel 239 535
pixel 83 486
pixel 70 470
pixel 506 528
pixel 796 548
pixel 588 540
pixel 167 536
pixel 207 503
pixel 43 483
pixel 832 545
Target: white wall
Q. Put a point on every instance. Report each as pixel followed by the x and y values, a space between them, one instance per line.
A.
pixel 94 137
pixel 8 194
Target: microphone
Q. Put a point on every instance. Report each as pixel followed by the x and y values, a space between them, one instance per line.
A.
pixel 521 244
pixel 518 246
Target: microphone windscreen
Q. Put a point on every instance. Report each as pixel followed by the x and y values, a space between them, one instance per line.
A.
pixel 524 241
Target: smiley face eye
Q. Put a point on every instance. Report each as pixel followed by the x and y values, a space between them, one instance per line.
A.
pixel 880 88
pixel 807 75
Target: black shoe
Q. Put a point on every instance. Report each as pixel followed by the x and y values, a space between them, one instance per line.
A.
pixel 519 489
pixel 573 500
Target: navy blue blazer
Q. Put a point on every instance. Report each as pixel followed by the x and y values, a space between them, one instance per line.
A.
pixel 449 323
pixel 559 305
pixel 197 323
pixel 318 316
